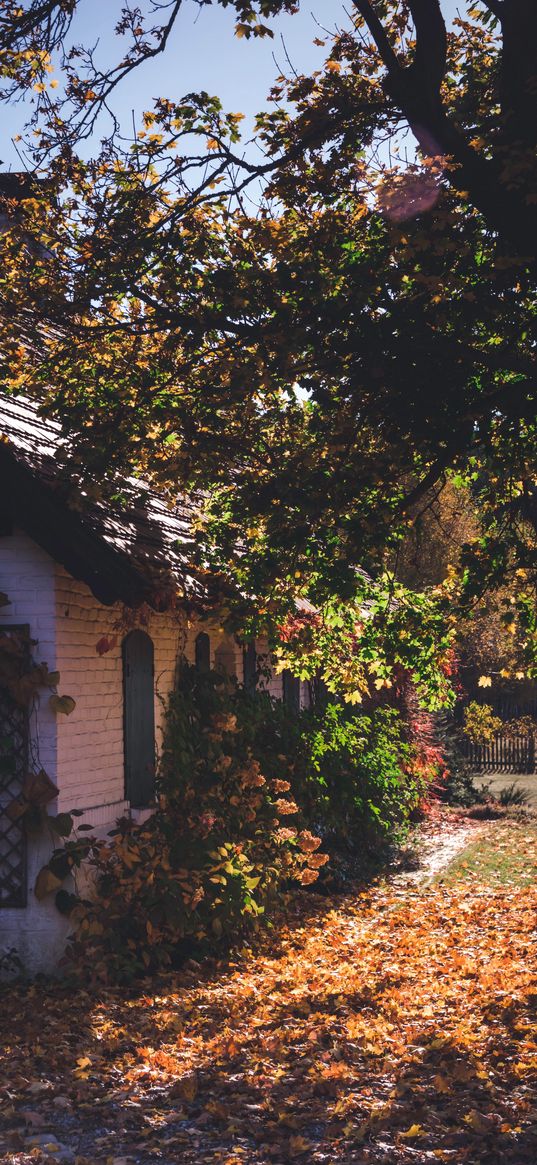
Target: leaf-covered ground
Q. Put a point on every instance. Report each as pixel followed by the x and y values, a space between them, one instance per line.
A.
pixel 392 1026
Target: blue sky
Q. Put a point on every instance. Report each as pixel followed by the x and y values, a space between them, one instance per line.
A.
pixel 204 54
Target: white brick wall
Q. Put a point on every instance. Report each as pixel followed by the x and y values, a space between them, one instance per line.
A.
pixel 90 740
pixel 83 752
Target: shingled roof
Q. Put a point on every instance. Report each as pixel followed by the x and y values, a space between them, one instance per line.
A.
pixel 136 550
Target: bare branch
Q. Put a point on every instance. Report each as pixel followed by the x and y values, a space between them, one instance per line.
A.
pixel 109 81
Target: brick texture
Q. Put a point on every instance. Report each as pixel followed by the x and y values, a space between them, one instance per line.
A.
pixel 83 752
pixel 90 740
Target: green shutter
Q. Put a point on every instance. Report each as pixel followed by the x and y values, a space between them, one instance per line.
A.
pixel 13 770
pixel 249 659
pixel 291 690
pixel 139 718
pixel 203 652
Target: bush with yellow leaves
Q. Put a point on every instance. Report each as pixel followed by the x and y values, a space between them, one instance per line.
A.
pixel 480 723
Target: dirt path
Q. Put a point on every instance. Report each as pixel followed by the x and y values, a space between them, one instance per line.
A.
pixel 382 1028
pixel 438 844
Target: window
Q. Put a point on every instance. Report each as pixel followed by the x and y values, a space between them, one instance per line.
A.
pixel 139 718
pixel 203 652
pixel 291 690
pixel 249 661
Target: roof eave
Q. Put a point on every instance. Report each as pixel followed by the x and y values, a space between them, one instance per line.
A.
pixel 63 534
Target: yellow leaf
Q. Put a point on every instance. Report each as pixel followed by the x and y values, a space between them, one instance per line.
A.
pixel 298 1145
pixel 413 1131
pixel 46 883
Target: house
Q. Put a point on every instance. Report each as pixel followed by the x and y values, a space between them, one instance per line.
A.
pixel 105 594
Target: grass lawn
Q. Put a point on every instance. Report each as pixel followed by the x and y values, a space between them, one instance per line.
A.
pixel 504 855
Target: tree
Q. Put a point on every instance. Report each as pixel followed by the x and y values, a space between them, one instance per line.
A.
pixel 323 361
pixel 411 64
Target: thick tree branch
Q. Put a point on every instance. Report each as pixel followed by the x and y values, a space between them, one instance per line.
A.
pixel 431 45
pixel 497 7
pixel 378 32
pixel 415 90
pixel 519 71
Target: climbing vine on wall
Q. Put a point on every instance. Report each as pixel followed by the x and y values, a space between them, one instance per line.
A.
pixel 24 681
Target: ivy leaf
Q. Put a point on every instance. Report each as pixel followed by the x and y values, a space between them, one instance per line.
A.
pixel 65 902
pixel 62 824
pixel 62 704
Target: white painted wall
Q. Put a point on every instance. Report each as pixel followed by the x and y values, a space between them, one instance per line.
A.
pixel 82 753
pixel 27 576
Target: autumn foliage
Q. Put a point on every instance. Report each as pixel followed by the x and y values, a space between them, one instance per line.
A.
pixel 386 1027
pixel 253 798
pixel 224 839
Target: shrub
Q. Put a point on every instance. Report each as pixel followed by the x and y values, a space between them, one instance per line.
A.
pixel 225 838
pixel 480 723
pixel 355 775
pixel 245 788
pixel 514 794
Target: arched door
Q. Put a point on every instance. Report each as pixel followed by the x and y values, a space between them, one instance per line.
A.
pixel 139 718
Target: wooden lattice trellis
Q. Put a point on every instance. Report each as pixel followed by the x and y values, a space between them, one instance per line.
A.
pixel 13 768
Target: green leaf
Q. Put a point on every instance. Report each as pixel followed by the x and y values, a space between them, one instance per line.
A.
pixel 62 824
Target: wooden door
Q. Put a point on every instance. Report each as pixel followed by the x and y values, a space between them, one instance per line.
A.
pixel 139 718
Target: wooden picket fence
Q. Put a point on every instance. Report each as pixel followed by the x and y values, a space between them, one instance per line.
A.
pixel 506 753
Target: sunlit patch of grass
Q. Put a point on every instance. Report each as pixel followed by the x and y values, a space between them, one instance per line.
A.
pixel 505 855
